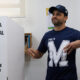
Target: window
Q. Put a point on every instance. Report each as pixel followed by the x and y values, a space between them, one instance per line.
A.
pixel 12 8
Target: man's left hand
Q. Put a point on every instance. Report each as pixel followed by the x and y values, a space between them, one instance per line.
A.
pixel 71 46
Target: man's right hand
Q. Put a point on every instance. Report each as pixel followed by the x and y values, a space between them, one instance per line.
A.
pixel 33 53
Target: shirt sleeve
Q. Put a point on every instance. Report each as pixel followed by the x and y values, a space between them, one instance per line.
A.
pixel 76 35
pixel 42 46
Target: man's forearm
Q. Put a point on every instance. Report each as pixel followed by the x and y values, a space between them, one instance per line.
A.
pixel 77 43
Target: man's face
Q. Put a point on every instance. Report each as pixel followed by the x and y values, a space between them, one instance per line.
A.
pixel 58 18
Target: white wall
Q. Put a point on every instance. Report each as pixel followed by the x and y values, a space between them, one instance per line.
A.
pixel 35 22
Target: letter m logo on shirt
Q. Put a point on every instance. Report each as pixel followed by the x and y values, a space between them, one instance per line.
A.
pixel 55 56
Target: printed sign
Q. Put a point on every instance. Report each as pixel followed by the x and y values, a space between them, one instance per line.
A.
pixel 3 51
pixel 49 22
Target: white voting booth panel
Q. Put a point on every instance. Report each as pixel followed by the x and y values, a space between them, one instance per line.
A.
pixel 11 50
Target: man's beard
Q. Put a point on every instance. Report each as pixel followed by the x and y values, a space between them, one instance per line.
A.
pixel 58 23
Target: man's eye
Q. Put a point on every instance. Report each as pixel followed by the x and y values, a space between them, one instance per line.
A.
pixel 53 14
pixel 58 14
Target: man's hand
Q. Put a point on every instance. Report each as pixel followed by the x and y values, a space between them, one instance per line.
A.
pixel 71 46
pixel 33 53
pixel 30 52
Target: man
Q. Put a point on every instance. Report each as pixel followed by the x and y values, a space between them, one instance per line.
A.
pixel 61 43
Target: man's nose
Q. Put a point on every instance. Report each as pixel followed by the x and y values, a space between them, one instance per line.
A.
pixel 54 16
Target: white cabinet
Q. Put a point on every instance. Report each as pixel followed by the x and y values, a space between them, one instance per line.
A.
pixel 11 50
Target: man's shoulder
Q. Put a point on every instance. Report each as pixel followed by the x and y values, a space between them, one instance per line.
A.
pixel 72 29
pixel 48 32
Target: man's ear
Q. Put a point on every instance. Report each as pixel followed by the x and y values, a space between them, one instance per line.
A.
pixel 66 17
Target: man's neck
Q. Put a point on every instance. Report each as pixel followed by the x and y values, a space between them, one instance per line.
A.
pixel 59 28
